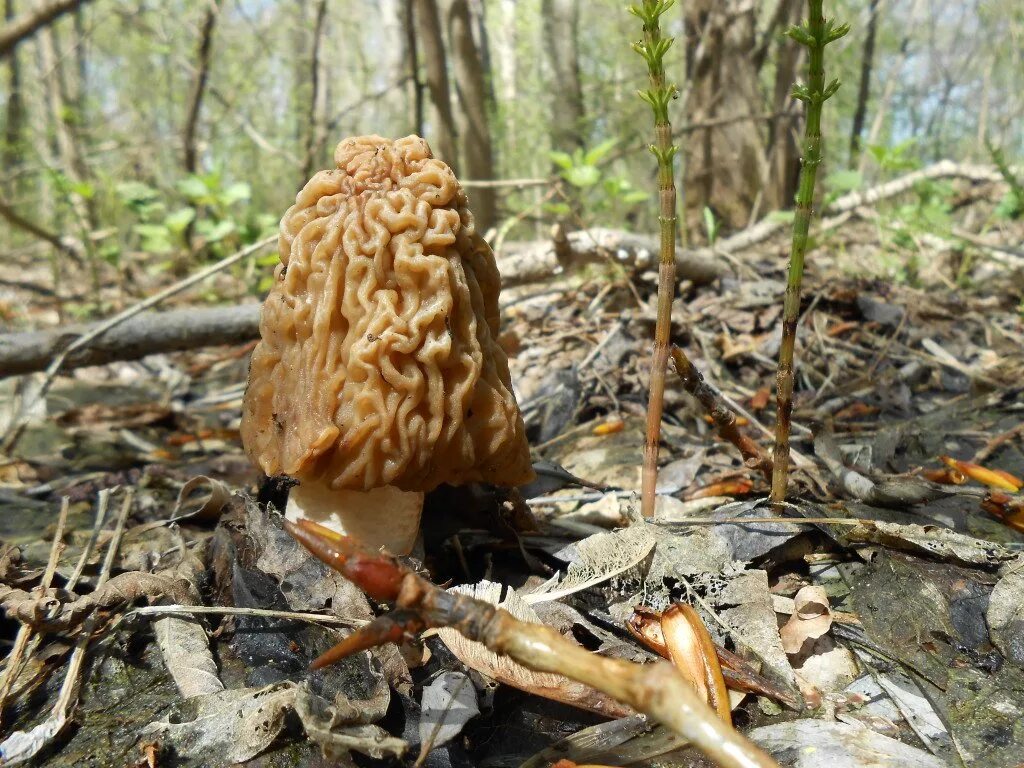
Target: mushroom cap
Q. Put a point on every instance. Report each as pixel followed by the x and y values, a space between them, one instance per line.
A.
pixel 378 362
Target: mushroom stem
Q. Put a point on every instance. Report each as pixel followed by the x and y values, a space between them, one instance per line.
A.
pixel 381 517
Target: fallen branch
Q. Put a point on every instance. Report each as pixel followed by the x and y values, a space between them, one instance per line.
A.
pixel 767 227
pixel 18 423
pixel 145 334
pixel 655 689
pixel 724 419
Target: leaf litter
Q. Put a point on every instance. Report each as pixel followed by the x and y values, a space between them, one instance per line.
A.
pixel 903 636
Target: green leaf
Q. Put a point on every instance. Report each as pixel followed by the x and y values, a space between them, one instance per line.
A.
pixel 215 232
pixel 236 192
pixel 561 159
pixel 710 225
pixel 596 154
pixel 783 217
pixel 582 176
pixel 635 196
pixel 134 193
pixel 840 182
pixel 193 188
pixel 155 238
pixel 178 220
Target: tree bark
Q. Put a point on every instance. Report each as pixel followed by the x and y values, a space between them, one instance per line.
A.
pixel 14 122
pixel 477 151
pixel 867 61
pixel 189 140
pixel 561 24
pixel 22 27
pixel 314 129
pixel 428 31
pixel 723 161
pixel 413 66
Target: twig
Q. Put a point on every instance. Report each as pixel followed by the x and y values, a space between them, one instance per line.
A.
pixel 815 35
pixel 218 610
pixel 725 420
pixel 653 49
pixel 23 745
pixel 14 658
pixel 28 23
pixel 18 424
pixel 657 690
pixel 102 502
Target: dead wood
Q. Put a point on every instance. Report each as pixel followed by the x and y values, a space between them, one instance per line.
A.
pixel 145 334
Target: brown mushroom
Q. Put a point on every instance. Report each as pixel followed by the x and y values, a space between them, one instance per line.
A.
pixel 378 376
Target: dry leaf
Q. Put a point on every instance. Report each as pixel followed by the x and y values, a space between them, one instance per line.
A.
pixel 599 558
pixel 476 656
pixel 448 703
pixel 186 652
pixel 811 619
pixel 229 726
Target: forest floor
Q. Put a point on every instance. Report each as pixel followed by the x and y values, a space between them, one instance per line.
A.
pixel 895 617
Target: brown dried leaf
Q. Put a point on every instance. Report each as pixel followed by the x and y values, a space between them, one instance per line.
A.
pixel 811 619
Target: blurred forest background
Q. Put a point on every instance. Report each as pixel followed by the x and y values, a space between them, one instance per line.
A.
pixel 143 138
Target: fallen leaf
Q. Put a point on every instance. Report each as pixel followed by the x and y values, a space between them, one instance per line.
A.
pixel 993 478
pixel 448 703
pixel 811 619
pixel 229 726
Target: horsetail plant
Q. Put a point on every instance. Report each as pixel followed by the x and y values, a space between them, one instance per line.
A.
pixel 815 34
pixel 653 49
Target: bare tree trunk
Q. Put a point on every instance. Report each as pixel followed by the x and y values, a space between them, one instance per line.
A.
pixel 867 61
pixel 477 152
pixel 723 160
pixel 27 24
pixel 413 65
pixel 428 30
pixel 314 128
pixel 14 119
pixel 394 63
pixel 778 187
pixel 561 24
pixel 72 166
pixel 189 140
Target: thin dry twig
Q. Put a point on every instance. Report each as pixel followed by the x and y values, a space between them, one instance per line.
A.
pixel 693 382
pixel 14 659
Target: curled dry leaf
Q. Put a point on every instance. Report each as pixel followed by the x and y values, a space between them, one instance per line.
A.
pixel 1006 508
pixel 993 478
pixel 609 427
pixel 812 618
pixel 206 505
pixel 693 654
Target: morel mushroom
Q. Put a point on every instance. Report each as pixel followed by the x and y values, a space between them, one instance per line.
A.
pixel 378 376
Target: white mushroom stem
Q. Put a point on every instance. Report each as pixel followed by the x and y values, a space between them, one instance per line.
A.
pixel 381 517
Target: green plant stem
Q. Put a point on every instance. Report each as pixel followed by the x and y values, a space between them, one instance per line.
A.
pixel 653 50
pixel 816 34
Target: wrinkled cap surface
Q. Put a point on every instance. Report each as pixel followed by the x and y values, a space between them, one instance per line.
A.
pixel 378 362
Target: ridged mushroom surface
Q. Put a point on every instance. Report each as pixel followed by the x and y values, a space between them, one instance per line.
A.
pixel 378 363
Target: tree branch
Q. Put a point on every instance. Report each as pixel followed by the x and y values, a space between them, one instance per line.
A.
pixel 30 22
